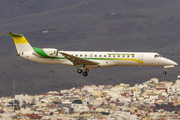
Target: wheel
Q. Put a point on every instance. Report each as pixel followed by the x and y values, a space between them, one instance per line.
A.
pixel 85 74
pixel 79 71
pixel 164 72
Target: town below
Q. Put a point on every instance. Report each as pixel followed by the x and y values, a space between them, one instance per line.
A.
pixel 143 101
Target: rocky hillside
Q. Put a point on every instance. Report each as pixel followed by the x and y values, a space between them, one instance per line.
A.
pixel 95 25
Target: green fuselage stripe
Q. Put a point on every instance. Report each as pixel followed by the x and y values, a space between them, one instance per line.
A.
pixel 40 52
pixel 130 59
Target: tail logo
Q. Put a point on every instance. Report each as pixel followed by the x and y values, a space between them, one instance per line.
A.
pixel 53 53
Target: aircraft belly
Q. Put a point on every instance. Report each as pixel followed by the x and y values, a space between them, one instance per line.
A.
pixel 52 61
pixel 109 63
pixel 105 63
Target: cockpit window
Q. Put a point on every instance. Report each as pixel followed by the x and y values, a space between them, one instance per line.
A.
pixel 157 55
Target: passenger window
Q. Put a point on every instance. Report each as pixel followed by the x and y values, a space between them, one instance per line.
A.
pixel 85 55
pixel 99 55
pixel 104 55
pixel 109 55
pixel 76 55
pixel 128 56
pixel 123 55
pixel 114 56
pixel 95 55
pixel 81 55
pixel 118 55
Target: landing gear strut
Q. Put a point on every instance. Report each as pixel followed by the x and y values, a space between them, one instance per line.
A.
pixel 164 72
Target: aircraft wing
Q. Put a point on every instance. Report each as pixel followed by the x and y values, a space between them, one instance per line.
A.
pixel 77 60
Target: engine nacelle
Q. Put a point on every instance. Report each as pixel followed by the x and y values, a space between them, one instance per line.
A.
pixel 45 52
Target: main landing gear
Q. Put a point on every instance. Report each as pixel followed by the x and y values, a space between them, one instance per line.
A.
pixel 85 73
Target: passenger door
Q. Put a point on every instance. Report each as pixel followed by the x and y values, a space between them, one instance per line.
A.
pixel 140 59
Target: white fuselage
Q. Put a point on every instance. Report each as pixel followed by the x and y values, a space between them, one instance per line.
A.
pixel 106 59
pixel 87 59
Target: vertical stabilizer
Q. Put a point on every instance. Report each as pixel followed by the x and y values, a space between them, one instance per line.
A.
pixel 22 45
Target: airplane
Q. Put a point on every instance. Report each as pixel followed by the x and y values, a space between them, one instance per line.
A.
pixel 84 60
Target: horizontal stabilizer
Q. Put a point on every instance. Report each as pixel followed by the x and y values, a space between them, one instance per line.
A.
pixel 14 34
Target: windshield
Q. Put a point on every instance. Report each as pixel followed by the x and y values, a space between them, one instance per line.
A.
pixel 157 56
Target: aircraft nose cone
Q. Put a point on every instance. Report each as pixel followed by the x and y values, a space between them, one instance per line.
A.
pixel 171 62
pixel 175 63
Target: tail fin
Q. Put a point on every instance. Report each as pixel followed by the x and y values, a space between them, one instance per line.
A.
pixel 22 45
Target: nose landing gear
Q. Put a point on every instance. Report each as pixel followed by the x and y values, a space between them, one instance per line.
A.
pixel 164 72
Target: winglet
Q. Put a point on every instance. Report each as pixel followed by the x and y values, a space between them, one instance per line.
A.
pixel 14 34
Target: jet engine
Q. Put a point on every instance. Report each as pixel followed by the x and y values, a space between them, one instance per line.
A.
pixel 45 52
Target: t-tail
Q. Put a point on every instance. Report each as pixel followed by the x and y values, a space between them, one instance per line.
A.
pixel 22 45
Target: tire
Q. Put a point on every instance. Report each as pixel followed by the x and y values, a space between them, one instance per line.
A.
pixel 164 72
pixel 79 71
pixel 85 74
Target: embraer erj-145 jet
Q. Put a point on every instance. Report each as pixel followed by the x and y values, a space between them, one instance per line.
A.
pixel 87 59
